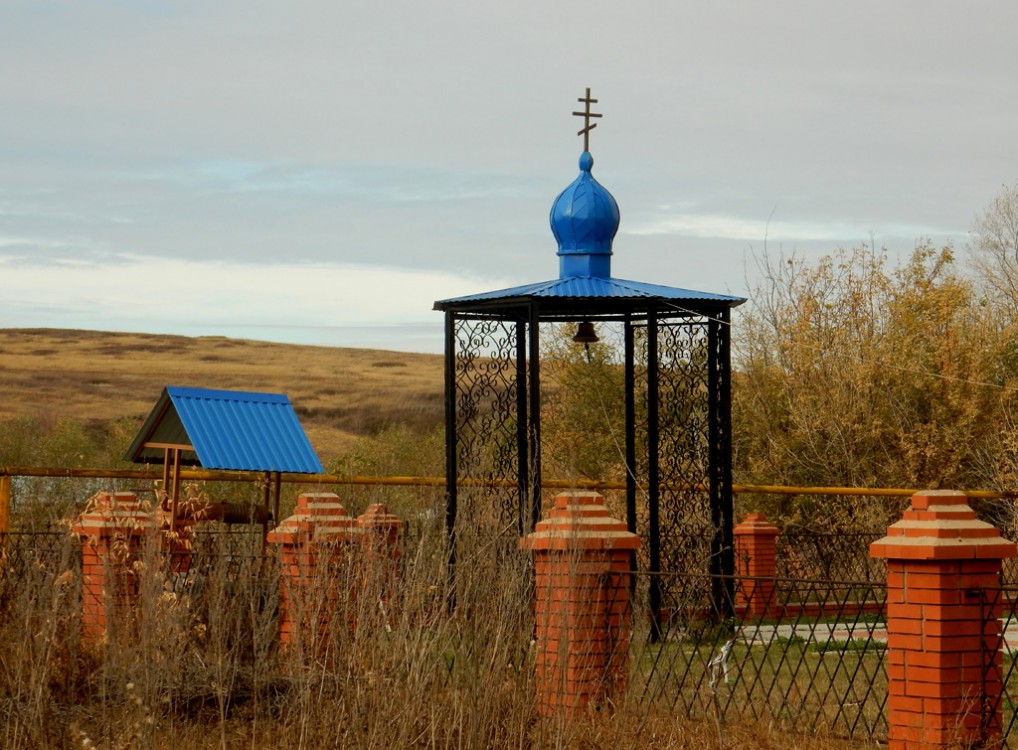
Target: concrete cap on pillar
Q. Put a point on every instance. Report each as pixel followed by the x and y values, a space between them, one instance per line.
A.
pixel 580 521
pixel 377 516
pixel 756 524
pixel 319 517
pixel 940 525
pixel 114 513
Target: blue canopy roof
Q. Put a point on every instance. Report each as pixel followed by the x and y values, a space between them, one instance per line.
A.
pixel 233 430
pixel 592 287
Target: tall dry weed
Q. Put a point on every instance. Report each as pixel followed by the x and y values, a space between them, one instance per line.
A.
pixel 197 662
pixel 43 668
pixel 384 662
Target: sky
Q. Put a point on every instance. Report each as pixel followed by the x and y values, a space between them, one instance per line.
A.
pixel 323 171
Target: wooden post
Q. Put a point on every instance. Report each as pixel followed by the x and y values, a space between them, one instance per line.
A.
pixel 166 477
pixel 176 489
pixel 275 501
pixel 266 494
pixel 5 504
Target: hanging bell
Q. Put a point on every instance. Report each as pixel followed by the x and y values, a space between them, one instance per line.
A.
pixel 585 333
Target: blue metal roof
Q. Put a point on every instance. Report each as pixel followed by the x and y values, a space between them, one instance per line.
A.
pixel 233 430
pixel 584 219
pixel 592 287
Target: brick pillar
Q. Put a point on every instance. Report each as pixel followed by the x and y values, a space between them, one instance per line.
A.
pixel 756 544
pixel 112 534
pixel 317 545
pixel 174 545
pixel 943 633
pixel 382 531
pixel 584 620
pixel 381 539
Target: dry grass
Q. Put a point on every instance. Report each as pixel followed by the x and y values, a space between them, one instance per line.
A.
pixel 200 667
pixel 204 670
pixel 340 394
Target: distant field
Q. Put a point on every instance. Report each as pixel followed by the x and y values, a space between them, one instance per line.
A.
pixel 339 394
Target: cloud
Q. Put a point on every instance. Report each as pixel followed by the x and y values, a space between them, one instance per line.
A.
pixel 374 182
pixel 144 294
pixel 33 247
pixel 290 141
pixel 719 225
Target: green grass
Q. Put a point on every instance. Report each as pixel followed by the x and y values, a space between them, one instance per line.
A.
pixel 793 680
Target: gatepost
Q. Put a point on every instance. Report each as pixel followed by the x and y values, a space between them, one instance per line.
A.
pixel 943 629
pixel 584 620
pixel 755 563
pixel 318 546
pixel 381 538
pixel 112 534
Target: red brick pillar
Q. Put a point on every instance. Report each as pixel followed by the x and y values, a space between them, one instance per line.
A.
pixel 112 533
pixel 584 619
pixel 175 545
pixel 943 633
pixel 317 545
pixel 755 562
pixel 382 531
pixel 381 539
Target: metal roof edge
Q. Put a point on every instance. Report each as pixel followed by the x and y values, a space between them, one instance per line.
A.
pixel 708 296
pixel 509 292
pixel 226 395
pixel 638 288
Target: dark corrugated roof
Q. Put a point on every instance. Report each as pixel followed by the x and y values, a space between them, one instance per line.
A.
pixel 592 287
pixel 232 430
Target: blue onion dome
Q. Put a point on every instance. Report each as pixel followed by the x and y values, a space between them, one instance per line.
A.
pixel 584 219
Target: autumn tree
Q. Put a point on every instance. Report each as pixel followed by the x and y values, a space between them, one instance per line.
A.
pixel 994 248
pixel 852 372
pixel 583 419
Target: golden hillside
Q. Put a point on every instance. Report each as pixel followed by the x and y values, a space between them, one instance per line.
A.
pixel 339 394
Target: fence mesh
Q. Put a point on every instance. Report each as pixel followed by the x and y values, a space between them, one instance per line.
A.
pixel 1001 660
pixel 843 556
pixel 811 657
pixel 804 652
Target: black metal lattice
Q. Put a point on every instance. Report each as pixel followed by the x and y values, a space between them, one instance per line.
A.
pixel 488 454
pixel 694 522
pixel 677 436
pixel 843 555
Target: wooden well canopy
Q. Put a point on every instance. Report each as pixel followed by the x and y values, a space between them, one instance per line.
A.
pixel 226 430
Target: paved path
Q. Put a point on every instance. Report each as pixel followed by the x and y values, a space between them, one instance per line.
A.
pixel 821 632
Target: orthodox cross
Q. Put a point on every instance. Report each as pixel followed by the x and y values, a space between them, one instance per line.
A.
pixel 586 115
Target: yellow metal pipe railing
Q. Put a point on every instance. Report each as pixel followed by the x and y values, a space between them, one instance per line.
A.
pixel 7 472
pixel 410 481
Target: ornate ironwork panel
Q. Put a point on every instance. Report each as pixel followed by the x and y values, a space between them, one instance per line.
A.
pixel 684 446
pixel 680 438
pixel 488 374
